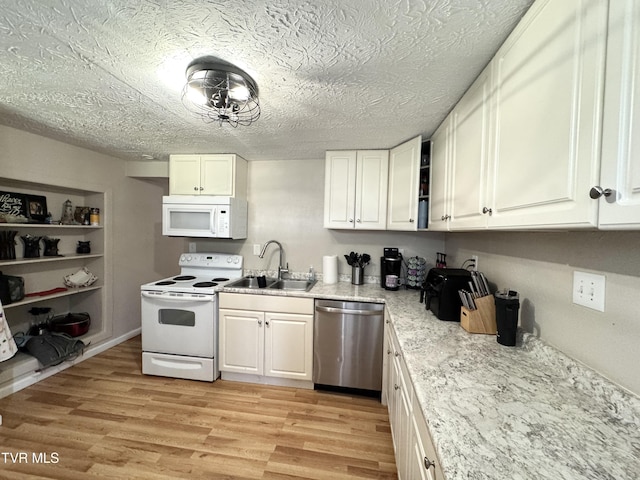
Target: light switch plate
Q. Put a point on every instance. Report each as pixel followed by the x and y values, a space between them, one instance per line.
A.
pixel 256 248
pixel 588 290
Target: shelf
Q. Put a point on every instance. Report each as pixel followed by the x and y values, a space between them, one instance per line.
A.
pixel 44 298
pixel 25 261
pixel 49 225
pixel 22 363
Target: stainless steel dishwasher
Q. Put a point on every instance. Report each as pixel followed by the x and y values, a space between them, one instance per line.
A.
pixel 347 344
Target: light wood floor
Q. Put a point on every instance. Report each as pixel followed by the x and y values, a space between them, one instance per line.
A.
pixel 103 418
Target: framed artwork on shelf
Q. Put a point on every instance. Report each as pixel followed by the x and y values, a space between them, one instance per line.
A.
pixel 37 207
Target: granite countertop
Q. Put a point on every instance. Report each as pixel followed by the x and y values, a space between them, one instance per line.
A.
pixel 496 412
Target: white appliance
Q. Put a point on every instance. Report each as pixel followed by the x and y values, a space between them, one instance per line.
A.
pixel 204 216
pixel 180 317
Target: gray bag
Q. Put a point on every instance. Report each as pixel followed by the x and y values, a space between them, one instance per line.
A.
pixel 53 348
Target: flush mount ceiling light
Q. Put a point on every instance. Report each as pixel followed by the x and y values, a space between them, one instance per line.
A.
pixel 217 91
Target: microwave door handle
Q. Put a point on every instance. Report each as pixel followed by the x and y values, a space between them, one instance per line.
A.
pixel 214 214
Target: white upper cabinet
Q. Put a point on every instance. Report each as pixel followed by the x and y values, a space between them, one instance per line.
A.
pixel 523 144
pixel 356 189
pixel 620 172
pixel 217 174
pixel 440 196
pixel 470 156
pixel 404 179
pixel 549 78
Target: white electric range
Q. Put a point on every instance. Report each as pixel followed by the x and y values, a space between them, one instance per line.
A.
pixel 180 317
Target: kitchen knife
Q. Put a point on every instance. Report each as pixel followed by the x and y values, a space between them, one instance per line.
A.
pixel 485 283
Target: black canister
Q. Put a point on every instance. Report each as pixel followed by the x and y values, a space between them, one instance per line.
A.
pixel 507 306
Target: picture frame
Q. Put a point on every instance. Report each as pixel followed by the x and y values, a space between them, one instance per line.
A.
pixel 37 208
pixel 13 206
pixel 81 215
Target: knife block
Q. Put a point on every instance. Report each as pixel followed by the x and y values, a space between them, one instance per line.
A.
pixel 481 320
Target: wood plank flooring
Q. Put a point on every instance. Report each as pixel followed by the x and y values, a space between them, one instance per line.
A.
pixel 103 419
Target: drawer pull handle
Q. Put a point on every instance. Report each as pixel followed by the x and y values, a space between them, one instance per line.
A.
pixel 428 463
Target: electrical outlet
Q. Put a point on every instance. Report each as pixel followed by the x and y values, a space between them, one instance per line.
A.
pixel 475 261
pixel 256 249
pixel 588 290
pixel 192 247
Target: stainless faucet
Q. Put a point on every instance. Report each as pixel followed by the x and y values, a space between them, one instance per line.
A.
pixel 281 269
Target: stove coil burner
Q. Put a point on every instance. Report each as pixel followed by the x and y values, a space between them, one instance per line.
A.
pixel 184 277
pixel 165 282
pixel 204 284
pixel 220 279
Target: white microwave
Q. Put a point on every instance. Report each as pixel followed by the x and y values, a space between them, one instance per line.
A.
pixel 204 216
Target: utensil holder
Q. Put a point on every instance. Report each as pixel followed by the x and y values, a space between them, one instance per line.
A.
pixel 357 275
pixel 481 320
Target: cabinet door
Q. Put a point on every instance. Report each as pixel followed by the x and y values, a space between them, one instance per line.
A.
pixel 340 189
pixel 470 138
pixel 217 173
pixel 621 131
pixel 404 172
pixel 288 345
pixel 549 91
pixel 241 341
pixel 423 464
pixel 372 173
pixel 439 195
pixel 184 175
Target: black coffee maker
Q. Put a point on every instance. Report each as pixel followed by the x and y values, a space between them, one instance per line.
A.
pixel 390 268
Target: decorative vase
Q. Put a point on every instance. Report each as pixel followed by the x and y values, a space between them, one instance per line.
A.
pixel 83 247
pixel 50 246
pixel 31 246
pixel 8 244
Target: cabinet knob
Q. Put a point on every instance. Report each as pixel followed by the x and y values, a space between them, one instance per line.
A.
pixel 358 220
pixel 598 191
pixel 397 354
pixel 259 323
pixel 396 387
pixel 351 220
pixel 388 351
pixel 195 189
pixel 428 463
pixel 487 210
pixel 266 323
pixel 201 188
pixel 445 217
pixel 411 220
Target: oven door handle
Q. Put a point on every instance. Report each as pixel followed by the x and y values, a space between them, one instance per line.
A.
pixel 208 298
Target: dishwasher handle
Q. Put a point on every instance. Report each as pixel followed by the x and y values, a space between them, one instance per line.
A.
pixel 347 311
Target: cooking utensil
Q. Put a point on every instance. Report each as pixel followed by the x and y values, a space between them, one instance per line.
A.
pixel 73 324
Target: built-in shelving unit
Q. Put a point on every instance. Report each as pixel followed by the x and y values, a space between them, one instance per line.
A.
pixel 46 273
pixel 423 188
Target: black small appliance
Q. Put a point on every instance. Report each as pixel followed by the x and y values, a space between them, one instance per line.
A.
pixel 440 292
pixel 507 307
pixel 390 268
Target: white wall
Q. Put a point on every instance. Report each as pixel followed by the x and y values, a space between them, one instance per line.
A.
pixel 286 203
pixel 139 252
pixel 540 267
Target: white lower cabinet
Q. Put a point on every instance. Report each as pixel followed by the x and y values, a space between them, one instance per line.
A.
pixel 267 336
pixel 414 451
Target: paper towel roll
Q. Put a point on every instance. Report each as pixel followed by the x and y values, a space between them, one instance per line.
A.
pixel 330 269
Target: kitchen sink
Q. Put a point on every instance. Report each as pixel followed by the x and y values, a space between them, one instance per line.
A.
pixel 291 284
pixel 250 282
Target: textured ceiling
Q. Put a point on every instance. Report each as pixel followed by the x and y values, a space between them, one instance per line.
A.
pixel 332 74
